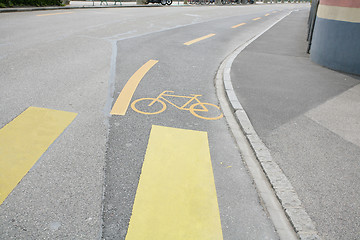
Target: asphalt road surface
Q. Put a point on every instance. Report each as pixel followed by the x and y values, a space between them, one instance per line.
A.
pixel 84 184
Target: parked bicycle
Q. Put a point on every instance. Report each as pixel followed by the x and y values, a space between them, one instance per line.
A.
pixel 197 2
pixel 163 2
pixel 237 2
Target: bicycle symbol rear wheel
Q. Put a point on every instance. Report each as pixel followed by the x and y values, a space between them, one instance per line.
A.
pixel 210 112
pixel 148 106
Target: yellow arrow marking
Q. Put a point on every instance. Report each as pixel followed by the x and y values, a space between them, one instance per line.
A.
pixel 199 39
pixel 52 14
pixel 255 19
pixel 122 103
pixel 267 14
pixel 176 197
pixel 241 24
pixel 24 140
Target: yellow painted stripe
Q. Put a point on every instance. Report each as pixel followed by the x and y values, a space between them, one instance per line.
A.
pixel 24 140
pixel 255 19
pixel 345 14
pixel 241 24
pixel 122 103
pixel 267 14
pixel 176 197
pixel 52 14
pixel 199 39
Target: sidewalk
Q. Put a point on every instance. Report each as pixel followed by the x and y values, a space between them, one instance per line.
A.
pixel 309 119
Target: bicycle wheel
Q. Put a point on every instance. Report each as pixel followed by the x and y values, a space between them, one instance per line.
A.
pixel 212 112
pixel 169 2
pixel 148 106
pixel 163 2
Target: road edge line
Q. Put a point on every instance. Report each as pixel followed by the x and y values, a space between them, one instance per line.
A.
pixel 279 197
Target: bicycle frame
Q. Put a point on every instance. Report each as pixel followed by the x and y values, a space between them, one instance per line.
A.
pixel 183 107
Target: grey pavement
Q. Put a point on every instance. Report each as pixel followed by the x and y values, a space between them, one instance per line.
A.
pixel 79 66
pixel 94 4
pixel 308 117
pixel 241 214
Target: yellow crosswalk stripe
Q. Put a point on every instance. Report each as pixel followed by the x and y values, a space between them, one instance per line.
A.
pixel 24 140
pixel 176 197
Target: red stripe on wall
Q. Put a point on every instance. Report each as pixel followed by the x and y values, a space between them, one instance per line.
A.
pixel 342 3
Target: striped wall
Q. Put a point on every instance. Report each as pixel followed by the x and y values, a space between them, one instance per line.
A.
pixel 336 37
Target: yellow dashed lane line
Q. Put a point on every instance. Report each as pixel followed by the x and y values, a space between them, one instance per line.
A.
pixel 241 24
pixel 199 39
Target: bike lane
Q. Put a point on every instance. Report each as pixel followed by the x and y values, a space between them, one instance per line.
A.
pixel 160 167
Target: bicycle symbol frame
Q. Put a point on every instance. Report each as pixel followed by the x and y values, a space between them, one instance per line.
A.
pixel 195 108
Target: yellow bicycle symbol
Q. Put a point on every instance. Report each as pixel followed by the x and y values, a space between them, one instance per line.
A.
pixel 208 111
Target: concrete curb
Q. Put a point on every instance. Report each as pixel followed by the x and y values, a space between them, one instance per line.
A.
pixel 30 9
pixel 284 191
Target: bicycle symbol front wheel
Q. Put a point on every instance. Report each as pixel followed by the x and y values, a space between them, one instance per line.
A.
pixel 148 106
pixel 208 111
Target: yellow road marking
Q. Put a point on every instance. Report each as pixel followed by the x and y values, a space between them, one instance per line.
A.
pixel 255 19
pixel 176 197
pixel 199 39
pixel 267 14
pixel 274 12
pixel 203 110
pixel 24 140
pixel 52 14
pixel 241 24
pixel 122 103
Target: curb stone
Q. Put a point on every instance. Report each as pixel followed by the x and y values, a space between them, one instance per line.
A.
pixel 284 191
pixel 30 9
